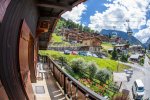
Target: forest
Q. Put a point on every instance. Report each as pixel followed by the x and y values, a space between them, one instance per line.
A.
pixel 62 23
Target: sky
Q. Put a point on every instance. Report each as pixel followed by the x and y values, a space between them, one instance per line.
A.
pixel 114 14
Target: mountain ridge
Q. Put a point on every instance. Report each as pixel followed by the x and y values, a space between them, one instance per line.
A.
pixel 123 35
pixel 147 43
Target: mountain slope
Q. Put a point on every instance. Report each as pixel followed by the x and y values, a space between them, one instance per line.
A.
pixel 123 35
pixel 147 43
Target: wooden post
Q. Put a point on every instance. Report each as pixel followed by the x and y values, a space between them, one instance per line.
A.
pixel 65 85
pixel 71 90
pixel 87 95
pixel 120 85
pixel 76 93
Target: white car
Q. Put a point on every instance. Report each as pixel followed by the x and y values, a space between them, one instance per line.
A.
pixel 138 89
pixel 94 55
pixel 89 54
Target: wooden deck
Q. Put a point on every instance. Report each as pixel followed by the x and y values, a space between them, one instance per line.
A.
pixel 51 88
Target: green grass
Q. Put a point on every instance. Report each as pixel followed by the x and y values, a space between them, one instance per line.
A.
pixel 56 38
pixel 148 55
pixel 106 45
pixel 102 63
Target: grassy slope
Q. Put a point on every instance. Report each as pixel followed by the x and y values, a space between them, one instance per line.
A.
pixel 102 63
pixel 56 38
pixel 106 45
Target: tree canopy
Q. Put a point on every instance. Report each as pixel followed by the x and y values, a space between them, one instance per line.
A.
pixel 62 23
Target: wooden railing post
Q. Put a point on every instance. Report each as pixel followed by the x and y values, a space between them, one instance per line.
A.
pixel 71 87
pixel 60 79
pixel 71 90
pixel 65 85
pixel 87 96
pixel 76 95
pixel 54 70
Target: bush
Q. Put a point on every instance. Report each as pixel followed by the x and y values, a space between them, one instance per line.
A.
pixel 78 65
pixel 55 56
pixel 141 61
pixel 103 75
pixel 114 54
pixel 62 60
pixel 124 58
pixel 92 68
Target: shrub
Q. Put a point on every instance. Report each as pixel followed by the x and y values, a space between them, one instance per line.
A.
pixel 78 65
pixel 141 61
pixel 55 56
pixel 103 75
pixel 124 58
pixel 92 68
pixel 114 54
pixel 62 60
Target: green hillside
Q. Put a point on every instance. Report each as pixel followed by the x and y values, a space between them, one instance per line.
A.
pixel 102 63
pixel 56 38
pixel 106 45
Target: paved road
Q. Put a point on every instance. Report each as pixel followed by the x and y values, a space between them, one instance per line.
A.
pixel 140 72
pixel 147 77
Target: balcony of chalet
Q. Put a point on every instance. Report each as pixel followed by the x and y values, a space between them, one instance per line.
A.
pixel 53 83
pixel 26 26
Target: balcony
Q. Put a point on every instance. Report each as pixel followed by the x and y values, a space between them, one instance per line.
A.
pixel 58 85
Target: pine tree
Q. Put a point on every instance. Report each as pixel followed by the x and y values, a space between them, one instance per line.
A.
pixel 114 54
pixel 149 47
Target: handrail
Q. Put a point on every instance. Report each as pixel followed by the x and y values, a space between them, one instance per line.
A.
pixel 91 94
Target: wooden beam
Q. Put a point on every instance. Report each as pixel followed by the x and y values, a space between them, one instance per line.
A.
pixel 48 18
pixel 54 5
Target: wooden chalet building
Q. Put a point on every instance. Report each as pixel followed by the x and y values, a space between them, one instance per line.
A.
pixel 102 37
pixel 136 49
pixel 117 40
pixel 75 35
pixel 71 35
pixel 92 43
pixel 25 28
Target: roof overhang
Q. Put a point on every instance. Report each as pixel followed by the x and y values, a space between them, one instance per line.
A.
pixel 51 11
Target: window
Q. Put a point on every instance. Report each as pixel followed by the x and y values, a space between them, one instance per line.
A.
pixel 140 89
pixel 3 6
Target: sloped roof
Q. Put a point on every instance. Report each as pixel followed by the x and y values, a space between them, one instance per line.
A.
pixel 135 56
pixel 139 83
pixel 52 10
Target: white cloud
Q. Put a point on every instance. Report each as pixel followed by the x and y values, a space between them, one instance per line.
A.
pixel 118 12
pixel 109 0
pixel 76 13
pixel 143 35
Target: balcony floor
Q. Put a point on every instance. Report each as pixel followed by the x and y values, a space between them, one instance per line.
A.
pixel 51 88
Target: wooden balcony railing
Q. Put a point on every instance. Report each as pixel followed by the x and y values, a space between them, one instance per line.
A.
pixel 72 88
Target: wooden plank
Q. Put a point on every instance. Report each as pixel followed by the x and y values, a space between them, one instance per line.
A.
pixel 3 6
pixel 54 5
pixel 16 11
pixel 26 56
pixel 3 95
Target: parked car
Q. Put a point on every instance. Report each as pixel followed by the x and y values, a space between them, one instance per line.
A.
pixel 94 55
pixel 82 53
pixel 89 54
pixel 74 52
pixel 67 52
pixel 138 89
